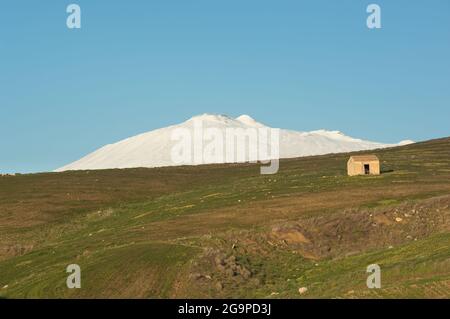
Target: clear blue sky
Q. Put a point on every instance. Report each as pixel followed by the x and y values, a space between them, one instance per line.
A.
pixel 139 65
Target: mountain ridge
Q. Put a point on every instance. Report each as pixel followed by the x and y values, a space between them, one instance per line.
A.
pixel 154 148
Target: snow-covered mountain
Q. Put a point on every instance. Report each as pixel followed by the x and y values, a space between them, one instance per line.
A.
pixel 155 148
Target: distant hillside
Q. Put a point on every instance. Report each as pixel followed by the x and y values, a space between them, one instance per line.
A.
pixel 226 231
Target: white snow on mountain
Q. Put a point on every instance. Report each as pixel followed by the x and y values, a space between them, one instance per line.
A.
pixel 154 148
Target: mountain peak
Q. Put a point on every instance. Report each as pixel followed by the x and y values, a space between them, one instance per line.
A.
pixel 211 117
pixel 222 119
pixel 245 117
pixel 248 120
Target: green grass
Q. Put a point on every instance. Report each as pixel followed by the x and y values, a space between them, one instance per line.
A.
pixel 142 232
pixel 403 271
pixel 146 270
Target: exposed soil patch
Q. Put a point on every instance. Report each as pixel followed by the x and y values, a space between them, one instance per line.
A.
pixel 14 250
pixel 349 232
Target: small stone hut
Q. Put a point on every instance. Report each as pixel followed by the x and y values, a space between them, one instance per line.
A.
pixel 363 165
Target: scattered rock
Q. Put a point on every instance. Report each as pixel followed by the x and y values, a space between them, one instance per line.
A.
pixel 398 219
pixel 5 286
pixel 231 267
pixel 244 272
pixel 195 276
pixel 302 290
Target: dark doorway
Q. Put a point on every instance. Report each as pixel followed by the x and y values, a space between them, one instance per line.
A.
pixel 366 169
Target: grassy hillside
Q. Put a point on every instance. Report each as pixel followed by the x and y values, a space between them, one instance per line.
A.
pixel 227 231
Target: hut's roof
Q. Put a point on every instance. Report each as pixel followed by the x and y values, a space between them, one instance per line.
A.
pixel 364 158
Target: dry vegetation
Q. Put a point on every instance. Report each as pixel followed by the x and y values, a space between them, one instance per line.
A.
pixel 227 231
